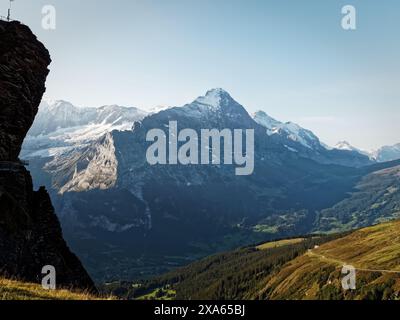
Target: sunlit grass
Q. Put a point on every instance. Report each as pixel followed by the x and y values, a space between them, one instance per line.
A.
pixel 317 274
pixel 17 290
pixel 280 243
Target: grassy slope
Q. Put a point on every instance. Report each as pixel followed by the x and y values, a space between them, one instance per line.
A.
pixel 236 274
pixel 279 243
pixel 17 290
pixel 376 199
pixel 317 273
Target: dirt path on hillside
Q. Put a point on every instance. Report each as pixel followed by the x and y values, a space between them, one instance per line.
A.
pixel 331 260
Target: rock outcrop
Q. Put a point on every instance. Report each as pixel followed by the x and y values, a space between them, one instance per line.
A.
pixel 30 233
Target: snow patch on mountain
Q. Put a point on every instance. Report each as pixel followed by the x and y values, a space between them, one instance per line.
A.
pixel 57 115
pixel 61 127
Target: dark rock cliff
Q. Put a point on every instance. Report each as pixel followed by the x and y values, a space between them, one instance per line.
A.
pixel 30 233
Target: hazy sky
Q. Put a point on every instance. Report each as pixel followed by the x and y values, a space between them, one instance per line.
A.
pixel 289 58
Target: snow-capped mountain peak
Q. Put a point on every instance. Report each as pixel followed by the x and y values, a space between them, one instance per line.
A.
pixel 217 92
pixel 291 130
pixel 215 104
pixel 214 98
pixel 344 145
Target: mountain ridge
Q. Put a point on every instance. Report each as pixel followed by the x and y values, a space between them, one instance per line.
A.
pixel 87 116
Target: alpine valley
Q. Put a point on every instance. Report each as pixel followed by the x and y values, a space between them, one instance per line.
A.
pixel 129 220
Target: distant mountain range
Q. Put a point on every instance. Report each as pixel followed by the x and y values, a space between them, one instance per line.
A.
pixel 387 153
pixel 383 154
pixel 60 126
pixel 115 206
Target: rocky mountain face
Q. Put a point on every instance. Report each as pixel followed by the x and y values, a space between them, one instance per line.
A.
pixel 30 233
pixel 152 217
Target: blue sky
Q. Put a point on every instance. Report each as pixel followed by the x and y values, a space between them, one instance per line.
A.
pixel 289 58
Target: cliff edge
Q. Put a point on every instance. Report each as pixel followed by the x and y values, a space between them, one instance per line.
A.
pixel 30 233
